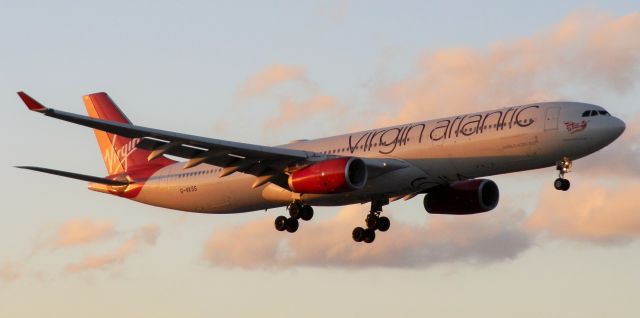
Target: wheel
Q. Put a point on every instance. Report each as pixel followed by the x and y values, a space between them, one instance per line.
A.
pixel 565 185
pixel 383 224
pixel 306 213
pixel 292 225
pixel 358 234
pixel 294 210
pixel 558 184
pixel 369 235
pixel 281 223
pixel 372 221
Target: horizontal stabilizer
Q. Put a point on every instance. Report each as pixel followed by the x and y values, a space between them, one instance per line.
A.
pixel 77 176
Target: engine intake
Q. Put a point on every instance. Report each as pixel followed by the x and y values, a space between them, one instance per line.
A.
pixel 464 197
pixel 330 176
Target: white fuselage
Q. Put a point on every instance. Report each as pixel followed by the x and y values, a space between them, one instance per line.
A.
pixel 438 151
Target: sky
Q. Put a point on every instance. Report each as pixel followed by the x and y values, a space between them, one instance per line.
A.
pixel 271 72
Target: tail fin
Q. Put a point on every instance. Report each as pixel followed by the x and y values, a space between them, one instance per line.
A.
pixel 120 154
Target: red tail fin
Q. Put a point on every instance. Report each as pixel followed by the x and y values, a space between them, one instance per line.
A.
pixel 120 154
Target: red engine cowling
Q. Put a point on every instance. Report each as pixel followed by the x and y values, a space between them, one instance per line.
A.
pixel 330 176
pixel 464 197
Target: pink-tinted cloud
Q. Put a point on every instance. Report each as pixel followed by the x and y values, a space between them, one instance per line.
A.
pixel 336 10
pixel 146 236
pixel 591 211
pixel 327 243
pixel 9 272
pixel 290 111
pixel 262 82
pixel 588 50
pixel 82 231
pixel 302 101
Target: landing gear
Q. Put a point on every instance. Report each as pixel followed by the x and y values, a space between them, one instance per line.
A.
pixel 562 184
pixel 374 222
pixel 296 211
pixel 563 166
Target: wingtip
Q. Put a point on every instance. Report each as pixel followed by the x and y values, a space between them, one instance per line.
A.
pixel 31 103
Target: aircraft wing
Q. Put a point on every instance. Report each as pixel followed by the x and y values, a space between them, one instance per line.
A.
pixel 268 163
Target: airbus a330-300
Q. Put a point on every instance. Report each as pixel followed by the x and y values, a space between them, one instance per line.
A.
pixel 445 159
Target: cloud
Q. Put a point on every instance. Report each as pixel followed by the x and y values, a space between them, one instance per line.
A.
pixel 478 238
pixel 591 211
pixel 262 82
pixel 300 103
pixel 9 272
pixel 290 111
pixel 146 236
pixel 620 159
pixel 336 10
pixel 82 231
pixel 588 50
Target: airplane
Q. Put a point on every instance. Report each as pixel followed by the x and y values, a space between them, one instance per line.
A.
pixel 446 159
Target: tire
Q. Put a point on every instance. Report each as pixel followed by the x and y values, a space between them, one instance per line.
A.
pixel 566 185
pixel 384 224
pixel 306 213
pixel 358 234
pixel 281 223
pixel 369 236
pixel 558 184
pixel 292 225
pixel 372 221
pixel 294 210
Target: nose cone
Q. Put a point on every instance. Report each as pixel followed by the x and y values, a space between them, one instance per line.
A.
pixel 617 128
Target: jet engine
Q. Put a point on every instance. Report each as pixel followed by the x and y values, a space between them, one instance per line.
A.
pixel 463 197
pixel 330 176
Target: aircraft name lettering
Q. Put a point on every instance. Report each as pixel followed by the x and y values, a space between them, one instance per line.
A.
pixel 387 140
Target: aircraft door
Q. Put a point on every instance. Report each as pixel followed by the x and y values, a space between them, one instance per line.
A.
pixel 551 119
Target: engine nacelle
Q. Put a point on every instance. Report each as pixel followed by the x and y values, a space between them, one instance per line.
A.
pixel 330 176
pixel 463 197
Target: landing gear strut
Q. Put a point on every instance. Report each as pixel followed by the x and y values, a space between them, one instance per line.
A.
pixel 563 166
pixel 374 222
pixel 296 211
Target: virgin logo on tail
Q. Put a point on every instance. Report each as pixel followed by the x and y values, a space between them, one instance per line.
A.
pixel 116 159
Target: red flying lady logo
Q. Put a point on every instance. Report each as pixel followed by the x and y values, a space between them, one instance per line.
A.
pixel 573 127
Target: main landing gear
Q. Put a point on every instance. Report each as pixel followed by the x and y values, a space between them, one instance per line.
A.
pixel 296 211
pixel 563 166
pixel 374 222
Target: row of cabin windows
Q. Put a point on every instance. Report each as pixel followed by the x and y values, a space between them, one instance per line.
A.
pixel 589 113
pixel 467 130
pixel 485 127
pixel 189 174
pixel 361 147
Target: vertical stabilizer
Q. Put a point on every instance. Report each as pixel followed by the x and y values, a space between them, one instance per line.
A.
pixel 119 153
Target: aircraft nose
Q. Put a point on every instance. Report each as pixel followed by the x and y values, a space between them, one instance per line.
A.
pixel 617 127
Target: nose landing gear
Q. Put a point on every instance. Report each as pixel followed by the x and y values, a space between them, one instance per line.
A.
pixel 296 211
pixel 374 222
pixel 563 166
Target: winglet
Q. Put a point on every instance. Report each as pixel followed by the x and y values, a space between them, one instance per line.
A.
pixel 31 103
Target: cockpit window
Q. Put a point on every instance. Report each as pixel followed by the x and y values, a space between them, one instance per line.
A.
pixel 604 112
pixel 586 113
pixel 594 113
